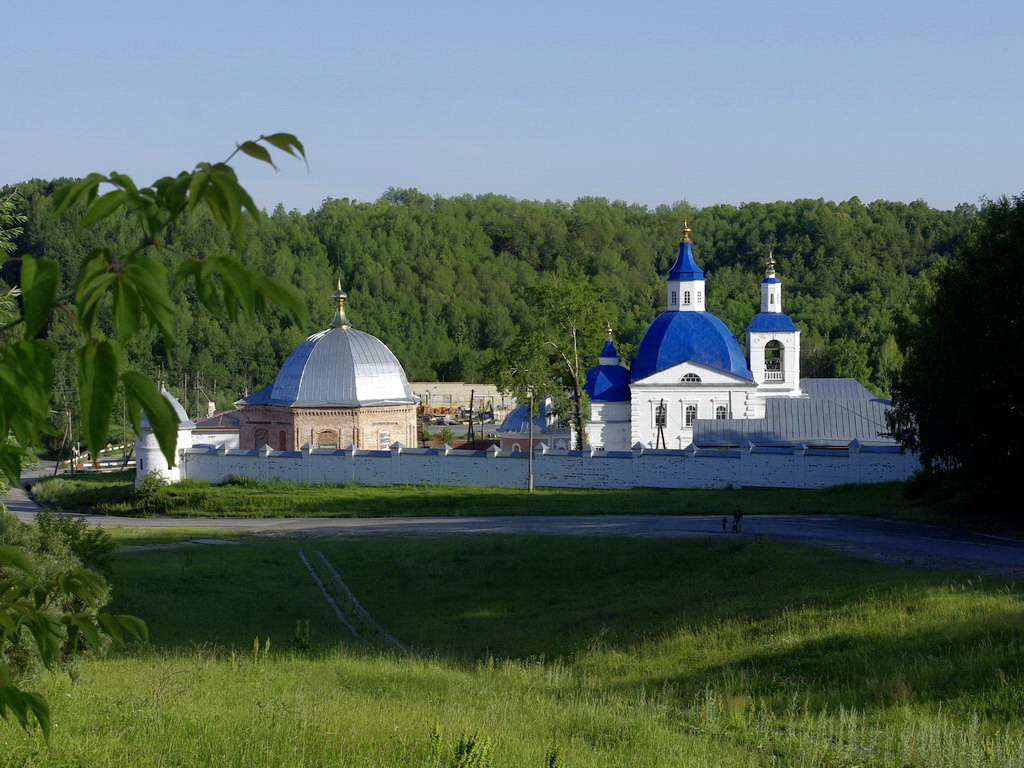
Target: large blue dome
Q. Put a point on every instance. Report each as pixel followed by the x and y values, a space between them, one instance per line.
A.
pixel 675 337
pixel 607 384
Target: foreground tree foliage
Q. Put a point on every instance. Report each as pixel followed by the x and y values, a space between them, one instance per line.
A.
pixel 127 281
pixel 957 400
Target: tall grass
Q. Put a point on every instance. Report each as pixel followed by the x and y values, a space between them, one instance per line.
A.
pixel 586 652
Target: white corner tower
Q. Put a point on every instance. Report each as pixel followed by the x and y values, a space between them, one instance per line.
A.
pixel 773 342
pixel 149 459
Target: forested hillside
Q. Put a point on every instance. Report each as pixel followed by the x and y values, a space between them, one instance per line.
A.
pixel 441 280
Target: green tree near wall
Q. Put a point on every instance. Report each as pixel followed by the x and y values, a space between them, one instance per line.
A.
pixel 137 287
pixel 957 401
pixel 551 355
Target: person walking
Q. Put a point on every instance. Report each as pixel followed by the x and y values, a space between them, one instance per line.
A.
pixel 737 520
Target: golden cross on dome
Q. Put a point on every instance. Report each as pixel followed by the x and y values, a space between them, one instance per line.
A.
pixel 686 232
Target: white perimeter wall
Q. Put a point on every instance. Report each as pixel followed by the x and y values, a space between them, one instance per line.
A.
pixel 799 467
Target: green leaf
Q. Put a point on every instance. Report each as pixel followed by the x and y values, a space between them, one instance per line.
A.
pixel 97 385
pixel 127 311
pixel 141 394
pixel 10 463
pixel 149 280
pixel 252 149
pixel 39 281
pixel 65 197
pixel 92 283
pixel 102 207
pixel 15 557
pixel 123 181
pixel 286 143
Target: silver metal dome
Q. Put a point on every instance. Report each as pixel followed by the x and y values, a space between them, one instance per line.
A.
pixel 340 367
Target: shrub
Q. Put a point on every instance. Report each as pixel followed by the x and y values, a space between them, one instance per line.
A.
pixel 150 497
pixel 90 543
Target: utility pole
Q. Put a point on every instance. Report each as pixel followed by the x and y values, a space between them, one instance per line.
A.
pixel 529 463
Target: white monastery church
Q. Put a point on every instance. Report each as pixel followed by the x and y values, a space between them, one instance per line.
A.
pixel 691 384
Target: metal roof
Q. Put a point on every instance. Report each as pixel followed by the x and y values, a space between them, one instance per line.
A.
pixel 685 267
pixel 607 383
pixel 829 421
pixel 771 321
pixel 225 420
pixel 517 422
pixel 339 367
pixel 842 389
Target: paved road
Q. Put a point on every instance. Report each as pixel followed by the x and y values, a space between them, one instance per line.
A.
pixel 884 540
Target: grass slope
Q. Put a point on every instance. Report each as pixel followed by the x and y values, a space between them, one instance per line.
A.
pixel 610 652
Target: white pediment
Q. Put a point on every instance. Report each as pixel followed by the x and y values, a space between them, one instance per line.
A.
pixel 676 373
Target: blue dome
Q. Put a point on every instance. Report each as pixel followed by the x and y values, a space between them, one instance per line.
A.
pixel 608 350
pixel 685 267
pixel 607 383
pixel 767 322
pixel 771 279
pixel 518 420
pixel 676 337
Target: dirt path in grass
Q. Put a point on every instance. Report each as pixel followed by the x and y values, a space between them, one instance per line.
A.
pixel 888 541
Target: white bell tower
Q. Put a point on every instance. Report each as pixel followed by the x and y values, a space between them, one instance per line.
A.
pixel 773 342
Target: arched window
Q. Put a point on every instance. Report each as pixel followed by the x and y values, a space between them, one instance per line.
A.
pixel 282 440
pixel 771 298
pixel 660 414
pixel 686 297
pixel 383 440
pixel 261 438
pixel 721 412
pixel 691 378
pixel 773 361
pixel 700 297
pixel 516 448
pixel 675 298
pixel 690 415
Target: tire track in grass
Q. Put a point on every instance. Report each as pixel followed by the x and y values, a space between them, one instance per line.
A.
pixel 344 603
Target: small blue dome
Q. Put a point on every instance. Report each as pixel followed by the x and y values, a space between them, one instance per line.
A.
pixel 518 420
pixel 676 337
pixel 608 350
pixel 770 280
pixel 767 322
pixel 607 383
pixel 685 267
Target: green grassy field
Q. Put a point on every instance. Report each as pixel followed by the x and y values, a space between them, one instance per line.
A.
pixel 112 493
pixel 552 650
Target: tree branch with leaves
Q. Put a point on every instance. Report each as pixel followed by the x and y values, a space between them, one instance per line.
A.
pixel 139 289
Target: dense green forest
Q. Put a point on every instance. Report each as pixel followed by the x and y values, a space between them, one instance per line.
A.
pixel 441 280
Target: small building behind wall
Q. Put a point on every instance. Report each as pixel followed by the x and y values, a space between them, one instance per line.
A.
pixel 338 388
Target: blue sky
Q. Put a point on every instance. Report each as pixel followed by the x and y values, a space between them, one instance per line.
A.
pixel 648 102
